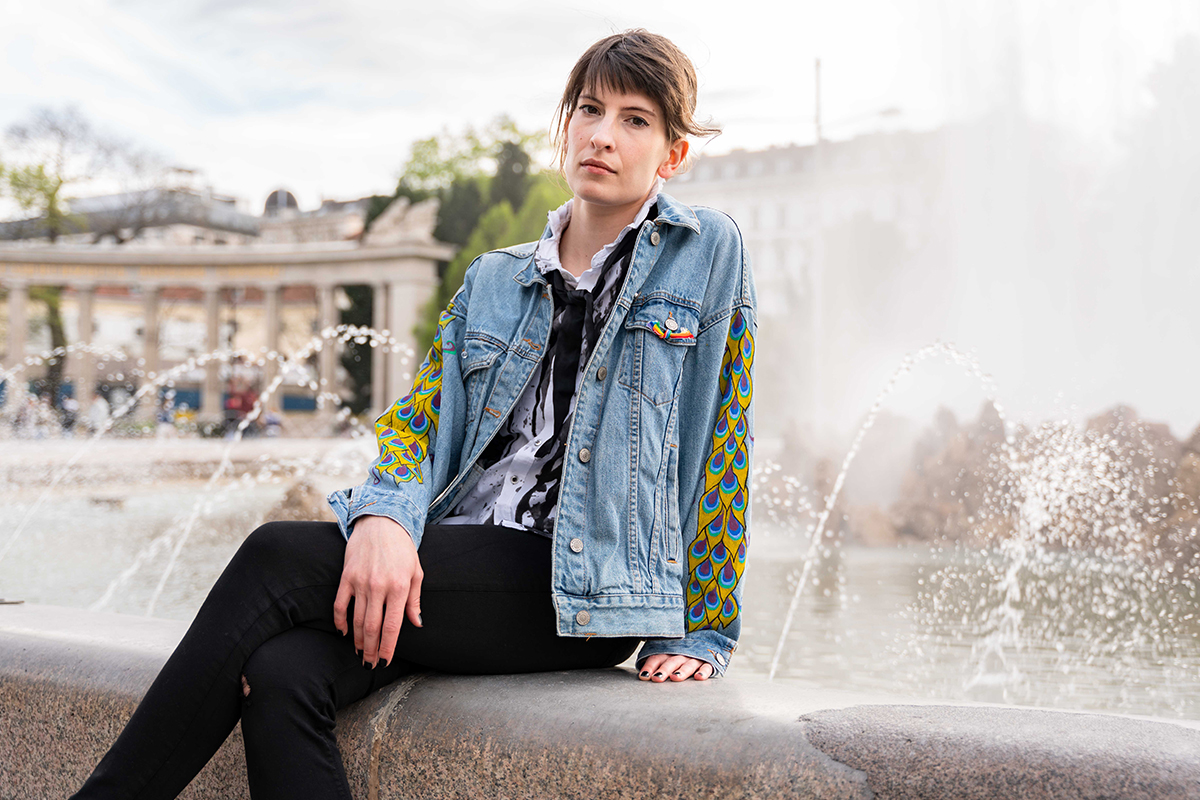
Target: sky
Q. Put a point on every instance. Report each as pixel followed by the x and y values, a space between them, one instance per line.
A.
pixel 325 97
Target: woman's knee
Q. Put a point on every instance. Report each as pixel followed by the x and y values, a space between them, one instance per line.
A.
pixel 279 670
pixel 265 543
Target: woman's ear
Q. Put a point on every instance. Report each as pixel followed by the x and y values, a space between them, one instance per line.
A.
pixel 675 157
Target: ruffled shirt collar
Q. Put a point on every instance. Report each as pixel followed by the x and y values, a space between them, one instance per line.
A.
pixel 546 255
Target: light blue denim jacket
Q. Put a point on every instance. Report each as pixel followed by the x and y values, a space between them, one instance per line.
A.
pixel 651 535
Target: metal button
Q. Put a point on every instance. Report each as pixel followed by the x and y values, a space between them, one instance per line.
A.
pixel 583 618
pixel 577 545
pixel 654 238
pixel 602 373
pixel 515 479
pixel 585 455
pixel 671 324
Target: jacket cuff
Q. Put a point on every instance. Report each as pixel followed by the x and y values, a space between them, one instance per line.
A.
pixel 366 500
pixel 706 645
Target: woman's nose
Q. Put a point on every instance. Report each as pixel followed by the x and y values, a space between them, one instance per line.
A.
pixel 602 136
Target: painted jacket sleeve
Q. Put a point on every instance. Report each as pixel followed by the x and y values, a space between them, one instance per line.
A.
pixel 716 526
pixel 400 483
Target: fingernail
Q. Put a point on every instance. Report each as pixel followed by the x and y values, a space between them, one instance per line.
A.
pixel 420 622
pixel 658 674
pixel 645 672
pixel 387 662
pixel 676 672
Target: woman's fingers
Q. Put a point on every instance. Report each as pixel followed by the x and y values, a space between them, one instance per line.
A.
pixel 665 668
pixel 661 668
pixel 393 618
pixel 360 618
pixel 413 602
pixel 341 603
pixel 373 625
pixel 686 669
pixel 650 666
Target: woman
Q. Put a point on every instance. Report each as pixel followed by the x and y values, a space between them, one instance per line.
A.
pixel 583 417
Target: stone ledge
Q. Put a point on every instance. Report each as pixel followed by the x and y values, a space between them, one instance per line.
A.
pixel 65 693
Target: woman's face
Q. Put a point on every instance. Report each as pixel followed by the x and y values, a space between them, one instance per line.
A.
pixel 616 145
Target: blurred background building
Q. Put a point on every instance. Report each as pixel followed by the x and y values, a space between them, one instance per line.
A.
pixel 166 275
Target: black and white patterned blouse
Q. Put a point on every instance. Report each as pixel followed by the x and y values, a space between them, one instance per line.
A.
pixel 523 463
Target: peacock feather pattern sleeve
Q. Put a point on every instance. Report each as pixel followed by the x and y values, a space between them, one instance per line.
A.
pixel 718 553
pixel 404 431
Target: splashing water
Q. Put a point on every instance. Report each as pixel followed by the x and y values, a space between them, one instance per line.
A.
pixel 954 356
pixel 176 536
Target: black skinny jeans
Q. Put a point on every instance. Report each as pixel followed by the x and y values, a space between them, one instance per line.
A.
pixel 485 605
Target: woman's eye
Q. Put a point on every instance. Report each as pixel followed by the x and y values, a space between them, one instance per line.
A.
pixel 638 122
pixel 589 109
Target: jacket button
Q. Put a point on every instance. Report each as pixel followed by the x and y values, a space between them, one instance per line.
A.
pixel 583 618
pixel 654 238
pixel 602 373
pixel 577 545
pixel 585 455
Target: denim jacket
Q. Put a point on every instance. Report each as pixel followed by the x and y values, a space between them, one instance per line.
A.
pixel 651 531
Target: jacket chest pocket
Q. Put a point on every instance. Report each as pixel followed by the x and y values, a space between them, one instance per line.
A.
pixel 480 353
pixel 658 335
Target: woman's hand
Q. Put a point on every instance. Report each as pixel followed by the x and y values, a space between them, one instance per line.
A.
pixel 383 575
pixel 660 668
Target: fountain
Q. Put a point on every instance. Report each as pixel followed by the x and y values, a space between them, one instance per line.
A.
pixel 1062 593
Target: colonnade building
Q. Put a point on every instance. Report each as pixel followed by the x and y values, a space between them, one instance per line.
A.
pixel 181 274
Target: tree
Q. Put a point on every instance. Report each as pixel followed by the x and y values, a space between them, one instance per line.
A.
pixel 462 205
pixel 55 149
pixel 57 152
pixel 512 175
pixel 53 154
pixel 499 227
pixel 356 358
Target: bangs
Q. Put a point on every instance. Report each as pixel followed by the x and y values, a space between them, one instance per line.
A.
pixel 618 72
pixel 635 62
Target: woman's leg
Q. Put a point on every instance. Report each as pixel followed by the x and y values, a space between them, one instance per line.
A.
pixel 285 574
pixel 486 608
pixel 485 604
pixel 295 683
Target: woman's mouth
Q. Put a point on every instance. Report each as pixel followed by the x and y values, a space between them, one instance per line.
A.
pixel 598 167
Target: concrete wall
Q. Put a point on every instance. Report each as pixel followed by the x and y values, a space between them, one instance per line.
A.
pixel 69 679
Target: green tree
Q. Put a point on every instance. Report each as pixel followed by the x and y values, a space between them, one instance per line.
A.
pixel 52 151
pixel 356 358
pixel 499 227
pixel 461 207
pixel 512 175
pixel 51 298
pixel 488 235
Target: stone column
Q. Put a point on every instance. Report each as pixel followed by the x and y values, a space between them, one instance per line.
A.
pixel 271 297
pixel 18 325
pixel 405 300
pixel 327 360
pixel 149 403
pixel 84 368
pixel 379 321
pixel 210 401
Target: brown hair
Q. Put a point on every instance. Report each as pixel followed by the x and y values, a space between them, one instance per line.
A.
pixel 636 61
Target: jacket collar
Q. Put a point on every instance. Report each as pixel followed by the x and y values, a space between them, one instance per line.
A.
pixel 670 212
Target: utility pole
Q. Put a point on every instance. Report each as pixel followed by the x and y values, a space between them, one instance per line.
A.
pixel 817 116
pixel 817 373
